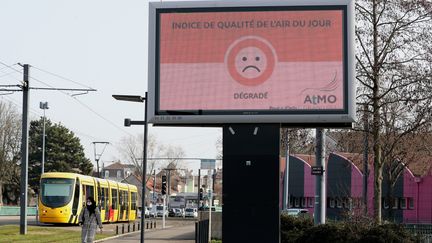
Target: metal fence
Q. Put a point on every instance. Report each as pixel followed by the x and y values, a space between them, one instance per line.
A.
pixel 422 230
pixel 15 211
pixel 202 231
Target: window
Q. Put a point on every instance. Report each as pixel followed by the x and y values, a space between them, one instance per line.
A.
pixel 114 198
pixel 311 202
pixel 89 191
pixel 349 203
pixel 291 201
pixel 303 202
pixel 133 200
pixel 56 192
pixel 119 174
pixel 395 203
pixel 102 199
pixel 339 202
pixel 403 203
pixel 385 203
pixel 411 203
pixel 106 173
pixel 332 202
pixel 296 202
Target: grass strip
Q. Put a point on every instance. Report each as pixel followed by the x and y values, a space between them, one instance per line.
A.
pixel 39 234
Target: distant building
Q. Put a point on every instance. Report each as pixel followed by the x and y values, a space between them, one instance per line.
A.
pixel 117 171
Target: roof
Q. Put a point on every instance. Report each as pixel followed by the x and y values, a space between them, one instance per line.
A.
pixel 419 167
pixel 118 166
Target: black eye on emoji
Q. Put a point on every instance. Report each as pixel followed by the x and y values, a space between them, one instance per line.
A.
pixel 244 59
pixel 257 58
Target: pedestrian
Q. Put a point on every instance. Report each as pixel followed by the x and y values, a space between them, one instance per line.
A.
pixel 90 219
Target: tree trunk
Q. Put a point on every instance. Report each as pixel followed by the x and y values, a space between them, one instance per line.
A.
pixel 378 169
pixel 1 194
pixel 378 165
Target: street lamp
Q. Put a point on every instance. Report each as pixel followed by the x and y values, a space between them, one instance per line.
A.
pixel 43 106
pixel 98 156
pixel 127 123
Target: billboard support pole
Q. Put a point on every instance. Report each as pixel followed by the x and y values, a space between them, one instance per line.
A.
pixel 320 180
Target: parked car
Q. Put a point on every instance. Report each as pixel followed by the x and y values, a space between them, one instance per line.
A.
pixel 180 212
pixel 191 212
pixel 152 212
pixel 296 212
pixel 172 212
pixel 160 211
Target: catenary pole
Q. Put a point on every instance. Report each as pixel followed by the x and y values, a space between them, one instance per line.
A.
pixel 24 153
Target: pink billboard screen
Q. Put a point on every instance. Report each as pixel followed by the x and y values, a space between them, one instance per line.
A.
pixel 273 60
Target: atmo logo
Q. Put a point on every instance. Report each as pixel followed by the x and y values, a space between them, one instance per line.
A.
pixel 319 99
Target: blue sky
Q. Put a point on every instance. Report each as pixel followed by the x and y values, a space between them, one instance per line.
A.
pixel 100 44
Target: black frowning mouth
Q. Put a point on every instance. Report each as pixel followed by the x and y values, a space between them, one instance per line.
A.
pixel 251 66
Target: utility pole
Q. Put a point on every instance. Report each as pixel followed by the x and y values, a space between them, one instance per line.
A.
pixel 154 185
pixel 320 180
pixel 286 182
pixel 24 152
pixel 25 88
pixel 98 156
pixel 43 106
pixel 199 188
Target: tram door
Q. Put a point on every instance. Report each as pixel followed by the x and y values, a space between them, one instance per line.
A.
pixel 76 197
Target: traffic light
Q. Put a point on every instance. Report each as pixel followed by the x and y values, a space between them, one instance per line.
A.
pixel 164 185
pixel 201 194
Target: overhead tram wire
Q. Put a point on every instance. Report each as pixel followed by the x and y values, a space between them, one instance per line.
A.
pixel 61 77
pixel 80 102
pixel 37 113
pixel 69 95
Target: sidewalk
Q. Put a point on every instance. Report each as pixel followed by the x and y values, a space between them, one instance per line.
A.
pixel 181 234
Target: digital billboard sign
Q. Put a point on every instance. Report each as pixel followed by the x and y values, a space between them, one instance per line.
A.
pixel 246 62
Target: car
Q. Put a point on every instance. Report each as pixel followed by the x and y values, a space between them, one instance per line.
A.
pixel 160 211
pixel 152 212
pixel 176 212
pixel 172 212
pixel 146 212
pixel 180 212
pixel 191 212
pixel 296 212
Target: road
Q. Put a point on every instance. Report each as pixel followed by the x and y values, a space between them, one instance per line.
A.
pixel 4 220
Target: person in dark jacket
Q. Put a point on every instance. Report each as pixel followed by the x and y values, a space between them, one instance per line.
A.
pixel 90 219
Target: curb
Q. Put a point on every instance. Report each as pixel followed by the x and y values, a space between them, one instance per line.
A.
pixel 130 233
pixel 115 237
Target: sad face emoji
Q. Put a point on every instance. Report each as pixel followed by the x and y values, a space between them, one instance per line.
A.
pixel 250 60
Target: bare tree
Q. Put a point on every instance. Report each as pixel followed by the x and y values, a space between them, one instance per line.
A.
pixel 158 155
pixel 10 136
pixel 298 140
pixel 132 150
pixel 394 58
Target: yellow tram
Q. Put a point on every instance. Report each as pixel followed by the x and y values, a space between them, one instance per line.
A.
pixel 63 196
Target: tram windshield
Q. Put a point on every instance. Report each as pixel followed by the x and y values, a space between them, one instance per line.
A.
pixel 56 192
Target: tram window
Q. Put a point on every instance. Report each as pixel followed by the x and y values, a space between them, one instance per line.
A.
pixel 106 199
pixel 127 199
pixel 102 198
pixel 76 198
pixel 89 191
pixel 121 200
pixel 114 198
pixel 133 200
